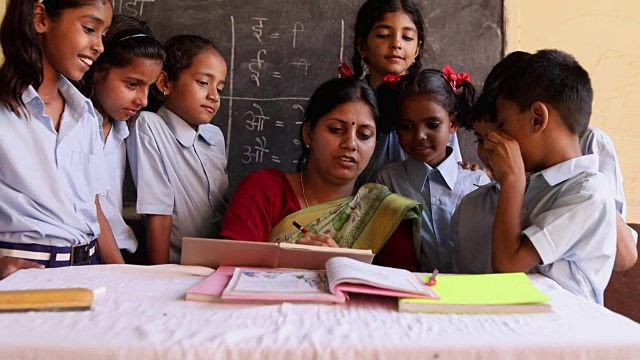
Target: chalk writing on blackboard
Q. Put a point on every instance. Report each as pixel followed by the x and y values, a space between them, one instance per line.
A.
pixel 465 34
pixel 132 7
pixel 261 62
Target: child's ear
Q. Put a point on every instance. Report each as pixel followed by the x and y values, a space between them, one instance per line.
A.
pixel 163 83
pixel 40 19
pixel 540 119
pixel 453 128
pixel 362 47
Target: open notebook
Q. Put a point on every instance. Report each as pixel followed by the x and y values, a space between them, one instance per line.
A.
pixel 342 275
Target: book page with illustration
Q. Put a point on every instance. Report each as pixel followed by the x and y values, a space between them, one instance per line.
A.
pixel 280 284
pixel 351 276
pixel 342 275
pixel 277 281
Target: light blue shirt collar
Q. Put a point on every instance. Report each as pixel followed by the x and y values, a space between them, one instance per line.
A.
pixel 119 129
pixel 74 100
pixel 420 171
pixel 183 132
pixel 210 134
pixel 80 104
pixel 567 169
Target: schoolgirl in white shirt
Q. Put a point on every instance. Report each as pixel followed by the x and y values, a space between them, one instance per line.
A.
pixel 118 84
pixel 53 166
pixel 178 159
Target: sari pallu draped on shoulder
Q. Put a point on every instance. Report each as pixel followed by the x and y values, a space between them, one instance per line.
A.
pixel 363 221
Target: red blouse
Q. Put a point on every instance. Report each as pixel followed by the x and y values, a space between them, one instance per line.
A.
pixel 265 197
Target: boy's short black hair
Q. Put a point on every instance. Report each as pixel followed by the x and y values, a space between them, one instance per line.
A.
pixel 555 78
pixel 484 109
pixel 503 68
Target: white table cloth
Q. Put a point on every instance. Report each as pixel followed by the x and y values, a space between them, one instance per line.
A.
pixel 143 315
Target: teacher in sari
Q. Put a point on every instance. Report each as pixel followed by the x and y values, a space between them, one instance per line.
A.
pixel 338 137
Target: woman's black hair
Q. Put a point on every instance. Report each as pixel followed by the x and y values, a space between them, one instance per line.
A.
pixel 128 39
pixel 22 47
pixel 372 12
pixel 327 97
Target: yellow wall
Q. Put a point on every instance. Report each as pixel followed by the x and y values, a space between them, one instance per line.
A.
pixel 602 35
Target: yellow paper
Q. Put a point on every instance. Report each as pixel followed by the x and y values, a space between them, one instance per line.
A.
pixel 480 293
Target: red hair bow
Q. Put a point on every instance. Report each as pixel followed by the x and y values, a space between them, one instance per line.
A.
pixel 456 80
pixel 344 70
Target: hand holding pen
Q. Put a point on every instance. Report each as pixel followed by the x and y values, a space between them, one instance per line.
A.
pixel 313 239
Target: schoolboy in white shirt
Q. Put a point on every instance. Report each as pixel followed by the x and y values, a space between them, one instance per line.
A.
pixel 561 220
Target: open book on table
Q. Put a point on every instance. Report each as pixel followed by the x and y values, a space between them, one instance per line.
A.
pixel 342 275
pixel 218 252
pixel 484 293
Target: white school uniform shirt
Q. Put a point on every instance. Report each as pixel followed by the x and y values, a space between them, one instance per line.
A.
pixel 49 179
pixel 476 256
pixel 115 152
pixel 181 172
pixel 569 216
pixel 388 150
pixel 440 190
pixel 596 141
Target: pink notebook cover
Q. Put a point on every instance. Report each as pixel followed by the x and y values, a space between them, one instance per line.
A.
pixel 210 289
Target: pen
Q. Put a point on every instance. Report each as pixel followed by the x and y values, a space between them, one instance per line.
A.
pixel 432 279
pixel 300 227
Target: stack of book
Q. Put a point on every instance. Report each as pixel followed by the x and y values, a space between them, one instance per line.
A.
pixel 301 278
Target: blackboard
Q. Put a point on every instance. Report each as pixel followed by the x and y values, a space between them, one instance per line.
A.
pixel 279 51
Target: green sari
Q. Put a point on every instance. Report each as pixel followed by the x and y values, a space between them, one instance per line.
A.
pixel 363 221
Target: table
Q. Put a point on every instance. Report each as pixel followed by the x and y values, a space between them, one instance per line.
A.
pixel 143 315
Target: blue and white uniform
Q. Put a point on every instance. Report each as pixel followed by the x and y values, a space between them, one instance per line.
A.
pixel 49 179
pixel 440 190
pixel 179 171
pixel 115 152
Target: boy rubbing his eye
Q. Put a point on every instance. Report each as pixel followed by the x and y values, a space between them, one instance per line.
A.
pixel 559 221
